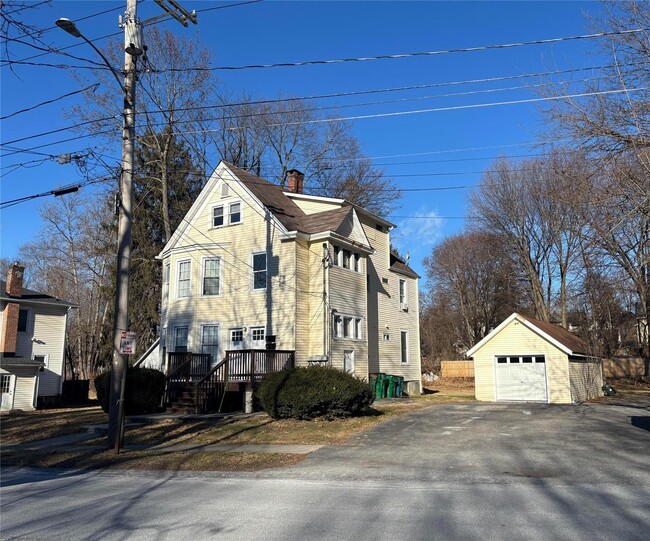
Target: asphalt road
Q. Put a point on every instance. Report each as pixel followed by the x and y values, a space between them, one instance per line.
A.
pixel 467 471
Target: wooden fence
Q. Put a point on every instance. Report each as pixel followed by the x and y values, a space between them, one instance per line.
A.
pixel 625 367
pixel 457 369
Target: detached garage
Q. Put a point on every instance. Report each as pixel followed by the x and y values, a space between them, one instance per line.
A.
pixel 528 360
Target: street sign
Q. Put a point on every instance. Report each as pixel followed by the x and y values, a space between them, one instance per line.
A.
pixel 127 343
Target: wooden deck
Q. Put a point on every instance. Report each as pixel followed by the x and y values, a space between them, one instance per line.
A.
pixel 193 385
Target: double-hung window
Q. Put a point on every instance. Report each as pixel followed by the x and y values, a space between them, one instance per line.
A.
pixel 259 271
pixel 210 341
pixel 180 340
pixel 348 327
pixel 217 216
pixel 234 213
pixel 403 300
pixel 229 213
pixel 347 259
pixel 212 276
pixel 184 276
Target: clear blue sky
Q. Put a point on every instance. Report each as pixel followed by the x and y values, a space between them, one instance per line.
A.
pixel 273 32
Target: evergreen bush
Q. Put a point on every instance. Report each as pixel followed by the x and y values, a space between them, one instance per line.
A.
pixel 142 394
pixel 317 391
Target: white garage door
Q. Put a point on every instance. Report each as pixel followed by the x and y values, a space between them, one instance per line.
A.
pixel 521 377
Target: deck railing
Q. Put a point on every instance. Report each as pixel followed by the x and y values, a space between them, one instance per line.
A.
pixel 193 371
pixel 253 364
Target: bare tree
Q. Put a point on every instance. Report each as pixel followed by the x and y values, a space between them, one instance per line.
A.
pixel 473 273
pixel 71 260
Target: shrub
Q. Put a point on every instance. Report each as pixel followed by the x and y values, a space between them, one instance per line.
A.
pixel 317 391
pixel 142 394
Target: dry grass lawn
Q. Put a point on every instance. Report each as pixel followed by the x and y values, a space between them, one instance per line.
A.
pixel 26 427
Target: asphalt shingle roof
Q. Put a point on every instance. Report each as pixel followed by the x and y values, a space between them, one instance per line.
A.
pixel 31 295
pixel 562 335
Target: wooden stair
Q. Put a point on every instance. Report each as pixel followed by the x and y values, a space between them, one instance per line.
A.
pixel 183 401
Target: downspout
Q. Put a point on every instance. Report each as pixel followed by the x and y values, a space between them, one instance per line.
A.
pixel 325 262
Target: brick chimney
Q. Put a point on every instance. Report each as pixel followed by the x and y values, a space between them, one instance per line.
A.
pixel 295 180
pixel 14 288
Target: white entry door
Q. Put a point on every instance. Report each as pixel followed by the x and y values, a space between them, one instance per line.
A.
pixel 521 378
pixel 7 384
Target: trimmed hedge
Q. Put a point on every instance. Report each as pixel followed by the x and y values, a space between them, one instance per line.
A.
pixel 317 391
pixel 142 394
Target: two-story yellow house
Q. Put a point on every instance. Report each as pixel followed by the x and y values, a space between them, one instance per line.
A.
pixel 253 265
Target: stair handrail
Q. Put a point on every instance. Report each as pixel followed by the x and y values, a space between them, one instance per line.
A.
pixel 202 387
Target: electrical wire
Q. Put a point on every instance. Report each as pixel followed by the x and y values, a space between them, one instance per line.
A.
pixel 413 55
pixel 92 87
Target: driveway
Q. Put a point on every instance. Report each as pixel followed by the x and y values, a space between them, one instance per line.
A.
pixel 593 442
pixel 465 471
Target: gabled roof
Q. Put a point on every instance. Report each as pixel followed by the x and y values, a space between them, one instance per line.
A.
pixel 564 340
pixel 397 264
pixel 272 197
pixel 31 296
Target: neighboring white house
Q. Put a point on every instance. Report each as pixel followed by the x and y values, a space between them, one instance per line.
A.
pixel 32 346
pixel 252 264
pixel 525 359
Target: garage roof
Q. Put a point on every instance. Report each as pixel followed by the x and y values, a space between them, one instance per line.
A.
pixel 569 343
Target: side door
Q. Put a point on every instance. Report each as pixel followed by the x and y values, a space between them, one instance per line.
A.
pixel 7 385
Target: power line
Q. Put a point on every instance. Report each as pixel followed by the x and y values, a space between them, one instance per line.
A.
pixel 114 34
pixel 416 54
pixel 92 87
pixel 267 113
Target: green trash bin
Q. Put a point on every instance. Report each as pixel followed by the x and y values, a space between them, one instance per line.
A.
pixel 380 389
pixel 372 380
pixel 399 386
pixel 390 390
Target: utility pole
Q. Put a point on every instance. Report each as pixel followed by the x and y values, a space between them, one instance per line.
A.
pixel 133 47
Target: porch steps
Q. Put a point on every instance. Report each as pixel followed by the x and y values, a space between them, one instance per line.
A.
pixel 184 402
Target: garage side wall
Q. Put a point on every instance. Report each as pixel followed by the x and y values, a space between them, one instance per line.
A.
pixel 586 379
pixel 516 339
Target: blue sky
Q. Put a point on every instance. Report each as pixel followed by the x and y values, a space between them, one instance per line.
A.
pixel 449 148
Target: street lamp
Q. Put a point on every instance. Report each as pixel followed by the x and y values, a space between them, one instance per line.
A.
pixel 71 28
pixel 133 48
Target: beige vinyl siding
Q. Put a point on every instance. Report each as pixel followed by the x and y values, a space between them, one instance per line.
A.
pixel 314 207
pixel 385 315
pixel 310 310
pixel 586 379
pixel 238 304
pixel 517 339
pixel 24 387
pixel 47 325
pixel 347 295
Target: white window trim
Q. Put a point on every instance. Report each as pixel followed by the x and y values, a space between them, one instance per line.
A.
pixel 337 259
pixel 252 278
pixel 46 358
pixel 167 273
pixel 216 324
pixel 241 212
pixel 178 277
pixel 187 341
pixel 225 206
pixel 403 304
pixel 408 356
pixel 221 265
pixel 351 351
pixel 338 331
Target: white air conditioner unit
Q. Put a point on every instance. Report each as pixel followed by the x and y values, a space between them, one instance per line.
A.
pixel 404 306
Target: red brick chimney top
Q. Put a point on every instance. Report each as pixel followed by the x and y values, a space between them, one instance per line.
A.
pixel 295 180
pixel 15 280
